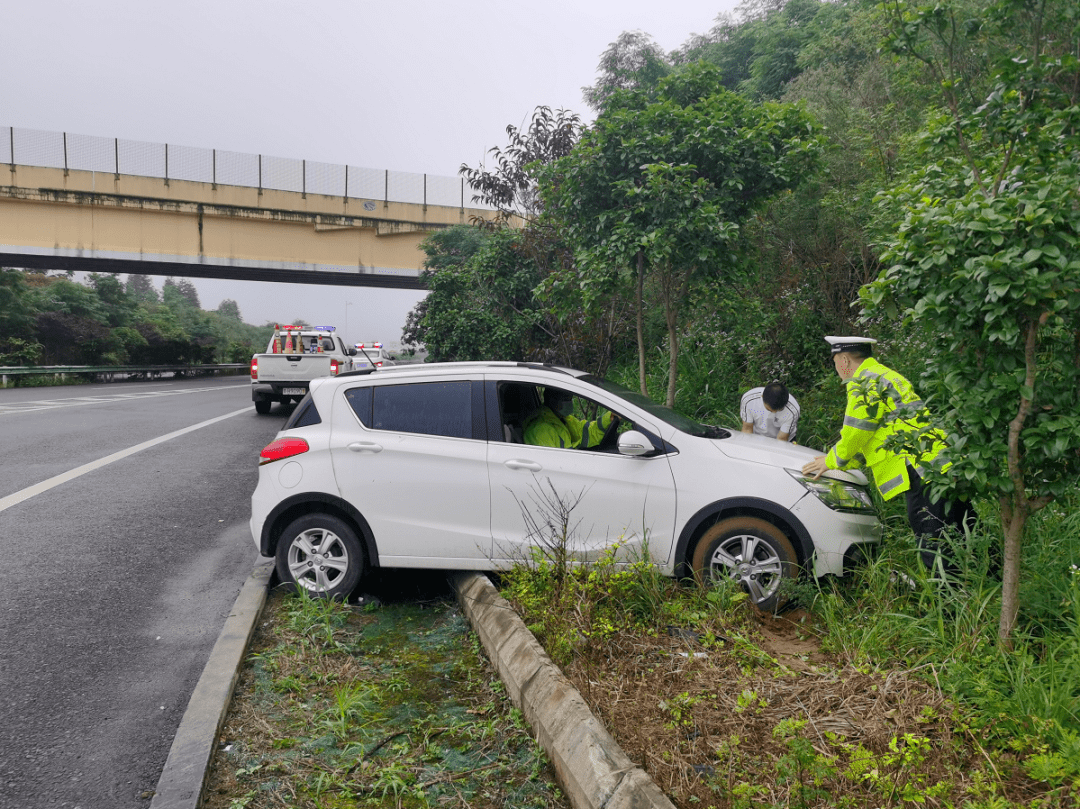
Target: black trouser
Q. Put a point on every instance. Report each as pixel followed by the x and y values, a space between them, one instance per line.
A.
pixel 931 520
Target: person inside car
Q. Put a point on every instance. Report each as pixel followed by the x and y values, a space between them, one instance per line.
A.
pixel 554 424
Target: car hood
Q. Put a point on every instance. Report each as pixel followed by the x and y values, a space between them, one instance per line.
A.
pixel 770 452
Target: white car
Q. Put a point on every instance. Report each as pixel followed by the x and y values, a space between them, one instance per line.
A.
pixel 425 466
pixel 371 355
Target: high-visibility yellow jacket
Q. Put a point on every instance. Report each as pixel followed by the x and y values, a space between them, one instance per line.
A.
pixel 874 393
pixel 546 429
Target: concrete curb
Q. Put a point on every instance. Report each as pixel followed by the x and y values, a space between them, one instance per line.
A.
pixel 592 769
pixel 182 781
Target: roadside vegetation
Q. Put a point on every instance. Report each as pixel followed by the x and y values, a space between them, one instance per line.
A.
pixel 888 690
pixel 53 319
pixel 382 703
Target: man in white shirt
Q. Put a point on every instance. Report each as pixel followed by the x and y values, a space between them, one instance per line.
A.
pixel 770 411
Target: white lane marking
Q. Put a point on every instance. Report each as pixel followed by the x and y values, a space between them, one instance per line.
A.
pixel 75 401
pixel 52 483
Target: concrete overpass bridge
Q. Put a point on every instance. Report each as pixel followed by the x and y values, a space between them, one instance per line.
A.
pixel 91 204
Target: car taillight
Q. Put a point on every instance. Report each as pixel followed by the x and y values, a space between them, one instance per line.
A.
pixel 254 368
pixel 283 448
pixel 378 364
pixel 335 366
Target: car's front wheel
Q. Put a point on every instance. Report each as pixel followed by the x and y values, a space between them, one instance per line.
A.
pixel 751 551
pixel 322 554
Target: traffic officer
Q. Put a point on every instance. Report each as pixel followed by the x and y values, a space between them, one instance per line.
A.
pixel 882 403
pixel 554 425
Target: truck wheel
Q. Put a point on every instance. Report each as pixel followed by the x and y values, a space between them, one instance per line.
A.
pixel 321 554
pixel 262 406
pixel 751 551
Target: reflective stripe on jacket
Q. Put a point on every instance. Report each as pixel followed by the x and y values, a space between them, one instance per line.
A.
pixel 546 429
pixel 873 395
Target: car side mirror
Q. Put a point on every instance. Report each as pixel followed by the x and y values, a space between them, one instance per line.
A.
pixel 634 443
pixel 351 352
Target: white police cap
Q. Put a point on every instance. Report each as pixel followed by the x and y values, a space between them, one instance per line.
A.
pixel 839 344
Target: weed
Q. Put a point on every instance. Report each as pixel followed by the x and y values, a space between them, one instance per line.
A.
pixel 801 766
pixel 341 707
pixel 679 708
pixel 243 801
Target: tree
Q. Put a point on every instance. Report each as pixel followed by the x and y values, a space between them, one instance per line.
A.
pixel 141 289
pixel 72 339
pixel 447 251
pixel 510 187
pixel 986 254
pixel 676 227
pixel 481 305
pixel 230 310
pixel 117 306
pixel 17 304
pixel 762 51
pixel 723 153
pixel 633 61
pixel 180 293
pixel 782 36
pixel 568 335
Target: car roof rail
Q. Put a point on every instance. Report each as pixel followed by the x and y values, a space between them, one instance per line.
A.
pixel 358 372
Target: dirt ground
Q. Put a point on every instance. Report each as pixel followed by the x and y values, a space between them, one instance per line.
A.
pixel 772 721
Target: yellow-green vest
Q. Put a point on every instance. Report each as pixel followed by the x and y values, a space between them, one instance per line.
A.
pixel 546 429
pixel 874 393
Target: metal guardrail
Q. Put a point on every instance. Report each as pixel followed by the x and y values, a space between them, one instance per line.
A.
pixel 111 371
pixel 66 150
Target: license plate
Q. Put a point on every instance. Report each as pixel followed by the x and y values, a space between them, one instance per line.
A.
pixel 293 391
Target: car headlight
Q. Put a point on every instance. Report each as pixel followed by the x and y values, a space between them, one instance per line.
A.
pixel 836 494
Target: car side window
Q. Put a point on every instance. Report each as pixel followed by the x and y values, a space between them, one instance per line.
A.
pixel 428 408
pixel 517 401
pixel 569 421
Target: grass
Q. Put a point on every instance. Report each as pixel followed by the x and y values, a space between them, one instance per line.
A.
pixel 46 381
pixel 886 690
pixel 389 704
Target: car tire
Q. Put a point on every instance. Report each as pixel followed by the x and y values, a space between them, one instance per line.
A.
pixel 751 551
pixel 262 406
pixel 321 554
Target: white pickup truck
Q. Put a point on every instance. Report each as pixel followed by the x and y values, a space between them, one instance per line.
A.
pixel 294 356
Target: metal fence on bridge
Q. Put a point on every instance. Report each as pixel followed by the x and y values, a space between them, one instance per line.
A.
pixel 65 150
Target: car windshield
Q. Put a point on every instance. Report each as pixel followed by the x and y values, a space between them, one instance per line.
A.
pixel 665 414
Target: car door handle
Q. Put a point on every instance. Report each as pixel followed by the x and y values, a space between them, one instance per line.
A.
pixel 364 446
pixel 531 466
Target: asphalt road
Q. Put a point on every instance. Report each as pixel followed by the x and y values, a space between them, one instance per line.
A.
pixel 115 581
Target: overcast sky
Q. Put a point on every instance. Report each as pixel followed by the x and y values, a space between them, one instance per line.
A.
pixel 409 85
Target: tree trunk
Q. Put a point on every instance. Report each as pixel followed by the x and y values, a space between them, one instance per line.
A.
pixel 639 298
pixel 1013 518
pixel 1016 506
pixel 673 361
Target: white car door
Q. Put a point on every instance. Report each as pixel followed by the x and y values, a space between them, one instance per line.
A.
pixel 615 499
pixel 415 471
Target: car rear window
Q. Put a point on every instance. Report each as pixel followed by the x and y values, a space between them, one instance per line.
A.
pixel 359 400
pixel 305 415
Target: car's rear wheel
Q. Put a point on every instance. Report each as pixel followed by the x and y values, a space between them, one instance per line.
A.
pixel 321 554
pixel 751 551
pixel 262 406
